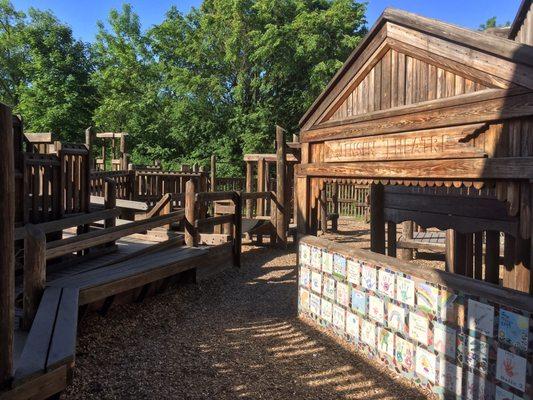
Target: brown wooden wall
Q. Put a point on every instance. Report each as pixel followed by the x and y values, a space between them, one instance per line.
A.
pixel 524 32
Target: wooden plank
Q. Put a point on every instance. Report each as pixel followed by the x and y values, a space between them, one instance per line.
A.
pixel 271 158
pixel 406 252
pixel 63 344
pixel 121 203
pixel 42 387
pixel 33 358
pixel 34 278
pixel 281 188
pixel 495 168
pixel 508 297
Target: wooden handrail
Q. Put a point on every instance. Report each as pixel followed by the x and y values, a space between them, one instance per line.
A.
pixel 218 220
pixel 129 204
pixel 62 247
pixel 160 206
pixel 215 196
pixel 65 223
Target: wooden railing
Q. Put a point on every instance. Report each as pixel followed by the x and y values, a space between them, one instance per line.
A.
pixel 230 184
pixel 123 179
pixel 352 199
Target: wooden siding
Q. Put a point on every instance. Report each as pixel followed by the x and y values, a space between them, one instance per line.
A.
pixel 397 80
pixel 522 29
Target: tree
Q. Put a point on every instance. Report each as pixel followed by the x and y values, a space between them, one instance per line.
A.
pixel 56 95
pixel 492 23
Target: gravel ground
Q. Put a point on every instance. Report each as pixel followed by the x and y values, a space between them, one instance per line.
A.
pixel 233 337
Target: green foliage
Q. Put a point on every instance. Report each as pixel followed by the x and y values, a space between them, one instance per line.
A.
pixel 216 80
pixel 492 23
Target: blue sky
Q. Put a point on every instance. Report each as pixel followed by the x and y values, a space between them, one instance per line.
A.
pixel 82 15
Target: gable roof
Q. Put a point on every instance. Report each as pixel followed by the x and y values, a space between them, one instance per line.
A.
pixel 501 48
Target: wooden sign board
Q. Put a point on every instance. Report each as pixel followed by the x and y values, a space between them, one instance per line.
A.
pixel 454 142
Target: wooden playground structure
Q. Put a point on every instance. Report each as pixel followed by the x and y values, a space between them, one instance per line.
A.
pixel 78 237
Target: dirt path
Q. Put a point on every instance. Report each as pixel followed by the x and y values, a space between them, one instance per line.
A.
pixel 233 337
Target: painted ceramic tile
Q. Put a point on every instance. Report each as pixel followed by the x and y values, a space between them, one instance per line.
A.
pixel 329 288
pixel 359 301
pixel 386 283
pixel 511 369
pixel 316 258
pixel 444 339
pixel 376 309
pixel 305 254
pixel 447 308
pixel 450 377
pixel 327 262
pixel 343 294
pixel 352 325
pixel 426 364
pixel 427 297
pixel 304 299
pixel 404 352
pixel 314 304
pixel 502 394
pixel 305 274
pixel 513 329
pixel 354 272
pixel 339 315
pixel 481 317
pixel 418 328
pixel 477 354
pixel 369 278
pixel 368 333
pixel 396 317
pixel 316 282
pixel 339 266
pixel 477 388
pixel 405 290
pixel 326 310
pixel 386 342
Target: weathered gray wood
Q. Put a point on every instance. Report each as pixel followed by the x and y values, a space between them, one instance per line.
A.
pixel 34 273
pixel 7 243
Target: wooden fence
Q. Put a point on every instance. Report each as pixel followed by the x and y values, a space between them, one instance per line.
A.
pixel 123 180
pixel 352 200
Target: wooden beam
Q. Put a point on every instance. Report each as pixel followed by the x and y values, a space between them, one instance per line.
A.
pixel 391 239
pixel 213 173
pixel 323 209
pixel 7 244
pixel 43 137
pixel 407 233
pixel 261 179
pixel 468 168
pixel 34 273
pixel 281 183
pixel 377 219
pixel 249 177
pixel 271 158
pixel 190 214
pixel 492 257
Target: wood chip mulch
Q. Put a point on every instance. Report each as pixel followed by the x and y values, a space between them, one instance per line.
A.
pixel 236 336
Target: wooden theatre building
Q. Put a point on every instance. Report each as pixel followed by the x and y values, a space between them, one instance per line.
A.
pixel 439 120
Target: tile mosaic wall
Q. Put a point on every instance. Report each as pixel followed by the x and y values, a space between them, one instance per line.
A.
pixel 458 345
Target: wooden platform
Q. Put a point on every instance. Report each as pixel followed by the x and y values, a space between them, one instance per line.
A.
pixel 44 356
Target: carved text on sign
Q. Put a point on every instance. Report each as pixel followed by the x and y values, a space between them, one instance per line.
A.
pixel 455 142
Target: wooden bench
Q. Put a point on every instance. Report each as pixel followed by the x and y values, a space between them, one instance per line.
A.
pixel 51 341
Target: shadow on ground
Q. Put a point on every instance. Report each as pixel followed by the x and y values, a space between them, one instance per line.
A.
pixel 235 337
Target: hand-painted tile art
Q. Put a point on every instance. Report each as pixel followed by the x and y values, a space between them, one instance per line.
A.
pixel 327 262
pixel 329 288
pixel 369 278
pixel 354 272
pixel 405 290
pixel 343 294
pixel 513 329
pixel 376 309
pixel 386 283
pixel 359 301
pixel 386 342
pixel 396 317
pixel 427 297
pixel 511 369
pixel 339 266
pixel 481 317
pixel 442 338
pixel 418 328
pixel 339 315
pixel 316 282
pixel 326 311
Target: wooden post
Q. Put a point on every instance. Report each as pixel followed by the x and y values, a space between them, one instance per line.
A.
pixel 407 233
pixel 190 214
pixel 377 218
pixel 391 239
pixel 7 244
pixel 469 255
pixel 478 255
pixel 123 155
pixel 492 257
pixel 104 156
pixel 335 201
pixel 261 170
pixel 323 207
pixel 237 230
pixel 89 142
pixel 34 273
pixel 281 218
pixel 459 253
pixel 213 173
pixel 110 202
pixel 249 175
